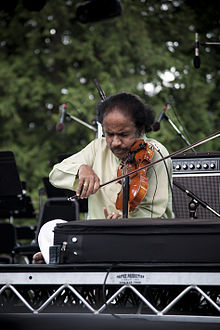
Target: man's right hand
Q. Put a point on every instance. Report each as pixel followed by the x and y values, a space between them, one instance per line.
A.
pixel 88 182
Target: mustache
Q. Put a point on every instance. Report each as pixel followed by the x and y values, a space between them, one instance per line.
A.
pixel 118 149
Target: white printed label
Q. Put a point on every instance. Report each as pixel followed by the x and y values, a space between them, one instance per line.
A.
pixel 127 278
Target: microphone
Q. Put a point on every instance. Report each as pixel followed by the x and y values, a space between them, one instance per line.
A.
pixel 196 60
pixel 60 125
pixel 156 125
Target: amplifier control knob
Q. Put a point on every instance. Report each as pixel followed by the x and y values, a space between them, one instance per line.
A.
pixel 205 166
pixel 178 167
pixel 212 165
pixel 185 166
pixel 198 166
pixel 191 166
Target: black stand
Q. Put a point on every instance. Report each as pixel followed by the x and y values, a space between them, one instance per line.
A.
pixel 195 202
pixel 12 200
pixel 125 187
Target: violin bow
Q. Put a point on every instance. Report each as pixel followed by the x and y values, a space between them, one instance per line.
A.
pixel 196 144
pixel 101 92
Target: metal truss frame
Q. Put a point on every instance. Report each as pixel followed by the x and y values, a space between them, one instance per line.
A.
pixel 121 292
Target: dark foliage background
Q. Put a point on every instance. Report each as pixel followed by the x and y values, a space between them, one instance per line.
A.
pixel 48 58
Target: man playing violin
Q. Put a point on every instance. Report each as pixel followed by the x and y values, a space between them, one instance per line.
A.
pixel 125 120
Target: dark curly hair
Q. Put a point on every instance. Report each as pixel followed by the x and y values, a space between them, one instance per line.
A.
pixel 142 114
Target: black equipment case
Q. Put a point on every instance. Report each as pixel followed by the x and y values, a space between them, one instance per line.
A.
pixel 136 240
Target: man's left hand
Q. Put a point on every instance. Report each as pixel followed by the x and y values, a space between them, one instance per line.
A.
pixel 113 215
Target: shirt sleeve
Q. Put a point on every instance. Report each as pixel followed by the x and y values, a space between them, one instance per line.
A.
pixel 64 174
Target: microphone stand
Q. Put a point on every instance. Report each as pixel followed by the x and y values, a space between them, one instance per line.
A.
pixel 81 121
pixel 197 45
pixel 195 202
pixel 68 115
pixel 125 194
pixel 178 131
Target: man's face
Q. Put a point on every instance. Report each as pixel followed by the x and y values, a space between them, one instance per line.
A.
pixel 120 133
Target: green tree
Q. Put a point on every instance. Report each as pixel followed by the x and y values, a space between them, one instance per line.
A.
pixel 49 58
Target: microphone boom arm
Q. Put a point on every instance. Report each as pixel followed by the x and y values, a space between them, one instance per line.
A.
pixel 209 43
pixel 178 131
pixel 195 198
pixel 81 122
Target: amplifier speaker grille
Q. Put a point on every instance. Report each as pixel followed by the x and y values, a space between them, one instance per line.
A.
pixel 205 184
pixel 205 187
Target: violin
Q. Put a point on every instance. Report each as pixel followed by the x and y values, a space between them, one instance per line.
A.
pixel 140 155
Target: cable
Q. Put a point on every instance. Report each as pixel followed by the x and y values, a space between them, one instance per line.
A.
pixel 152 204
pixel 165 164
pixel 104 283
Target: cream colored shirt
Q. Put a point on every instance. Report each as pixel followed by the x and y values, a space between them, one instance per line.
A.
pixel 158 200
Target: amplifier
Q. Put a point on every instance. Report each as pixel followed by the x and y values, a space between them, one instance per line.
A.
pixel 200 174
pixel 197 162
